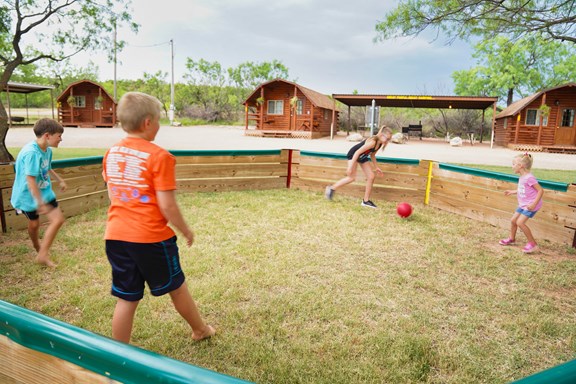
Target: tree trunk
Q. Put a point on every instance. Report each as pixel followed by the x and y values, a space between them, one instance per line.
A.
pixel 510 96
pixel 5 156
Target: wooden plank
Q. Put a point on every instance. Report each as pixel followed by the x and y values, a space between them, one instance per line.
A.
pixel 558 214
pixel 540 229
pixel 226 170
pixel 23 365
pixel 357 190
pixel 227 159
pixel 330 175
pixel 235 184
pixel 81 170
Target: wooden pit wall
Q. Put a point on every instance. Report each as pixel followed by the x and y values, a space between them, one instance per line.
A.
pixel 196 171
pixel 479 195
pixel 403 179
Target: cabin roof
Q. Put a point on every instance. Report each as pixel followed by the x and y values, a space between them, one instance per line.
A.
pixel 316 98
pixel 80 82
pixel 517 106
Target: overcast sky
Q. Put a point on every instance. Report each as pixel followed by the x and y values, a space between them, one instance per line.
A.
pixel 327 45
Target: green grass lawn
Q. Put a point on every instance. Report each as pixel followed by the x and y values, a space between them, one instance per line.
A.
pixel 304 290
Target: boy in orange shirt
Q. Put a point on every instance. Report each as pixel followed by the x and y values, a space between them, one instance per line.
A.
pixel 140 246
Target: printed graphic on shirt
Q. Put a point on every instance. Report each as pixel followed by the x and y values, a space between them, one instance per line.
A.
pixel 44 182
pixel 124 167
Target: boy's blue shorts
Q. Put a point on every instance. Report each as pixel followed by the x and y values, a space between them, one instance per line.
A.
pixel 33 215
pixel 157 264
pixel 526 212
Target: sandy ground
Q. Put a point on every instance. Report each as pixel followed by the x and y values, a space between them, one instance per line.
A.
pixel 229 138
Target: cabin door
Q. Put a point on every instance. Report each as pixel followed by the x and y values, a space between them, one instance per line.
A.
pixel 566 127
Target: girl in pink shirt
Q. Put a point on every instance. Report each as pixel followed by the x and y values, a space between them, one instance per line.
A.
pixel 529 195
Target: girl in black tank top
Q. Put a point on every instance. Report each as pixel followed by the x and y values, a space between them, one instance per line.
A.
pixel 363 153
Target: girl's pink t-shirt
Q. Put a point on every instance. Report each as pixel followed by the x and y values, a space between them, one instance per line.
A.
pixel 526 191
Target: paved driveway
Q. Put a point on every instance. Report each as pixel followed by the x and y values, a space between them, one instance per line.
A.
pixel 228 137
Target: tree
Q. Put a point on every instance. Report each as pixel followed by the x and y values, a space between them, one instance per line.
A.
pixel 552 19
pixel 524 66
pixel 64 28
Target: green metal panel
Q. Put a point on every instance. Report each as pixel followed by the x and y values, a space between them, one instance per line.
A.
pixel 343 157
pixel 560 374
pixel 552 185
pixel 107 357
pixel 65 163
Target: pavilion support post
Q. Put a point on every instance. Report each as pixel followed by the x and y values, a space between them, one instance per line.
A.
pixel 541 120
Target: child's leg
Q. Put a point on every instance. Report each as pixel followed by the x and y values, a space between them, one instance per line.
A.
pixel 123 320
pixel 187 308
pixel 55 221
pixel 33 232
pixel 350 176
pixel 521 222
pixel 514 225
pixel 370 176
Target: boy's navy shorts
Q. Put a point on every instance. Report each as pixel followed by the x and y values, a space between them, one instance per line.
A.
pixel 33 215
pixel 157 264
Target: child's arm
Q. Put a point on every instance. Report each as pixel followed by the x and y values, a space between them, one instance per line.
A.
pixel 510 192
pixel 170 210
pixel 35 192
pixel 61 181
pixel 533 204
pixel 375 166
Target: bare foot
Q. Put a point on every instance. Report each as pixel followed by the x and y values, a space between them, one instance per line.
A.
pixel 46 262
pixel 208 332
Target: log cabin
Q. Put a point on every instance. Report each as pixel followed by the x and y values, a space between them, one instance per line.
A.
pixel 544 121
pixel 86 104
pixel 281 108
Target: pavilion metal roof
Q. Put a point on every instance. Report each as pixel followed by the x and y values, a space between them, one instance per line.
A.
pixel 417 101
pixel 16 87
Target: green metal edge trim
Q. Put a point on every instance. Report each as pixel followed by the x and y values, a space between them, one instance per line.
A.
pixel 552 185
pixel 65 163
pixel 343 157
pixel 99 354
pixel 226 152
pixel 560 374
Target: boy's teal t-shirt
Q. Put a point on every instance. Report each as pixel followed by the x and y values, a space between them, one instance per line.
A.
pixel 32 161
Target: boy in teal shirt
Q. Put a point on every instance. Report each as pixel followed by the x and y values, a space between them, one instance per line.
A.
pixel 32 193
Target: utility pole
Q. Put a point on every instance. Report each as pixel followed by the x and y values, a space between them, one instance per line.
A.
pixel 115 48
pixel 171 112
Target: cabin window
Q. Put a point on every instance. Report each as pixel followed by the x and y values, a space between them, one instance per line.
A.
pixel 299 107
pixel 79 101
pixel 533 117
pixel 326 114
pixel 275 107
pixel 568 118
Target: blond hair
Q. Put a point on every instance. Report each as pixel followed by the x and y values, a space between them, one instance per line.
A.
pixel 376 138
pixel 135 107
pixel 525 159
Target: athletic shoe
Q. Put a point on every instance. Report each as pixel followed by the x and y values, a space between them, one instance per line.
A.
pixel 507 241
pixel 368 203
pixel 329 193
pixel 530 247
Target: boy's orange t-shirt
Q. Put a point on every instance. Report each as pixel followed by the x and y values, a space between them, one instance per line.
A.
pixel 134 170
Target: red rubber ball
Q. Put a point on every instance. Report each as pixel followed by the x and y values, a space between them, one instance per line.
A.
pixel 404 210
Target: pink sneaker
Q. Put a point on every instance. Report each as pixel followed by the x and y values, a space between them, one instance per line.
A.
pixel 507 241
pixel 530 247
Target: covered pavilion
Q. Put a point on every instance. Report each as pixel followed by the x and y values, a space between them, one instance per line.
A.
pixel 422 101
pixel 25 88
